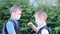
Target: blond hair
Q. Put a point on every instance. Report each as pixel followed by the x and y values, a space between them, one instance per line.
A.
pixel 41 13
pixel 14 8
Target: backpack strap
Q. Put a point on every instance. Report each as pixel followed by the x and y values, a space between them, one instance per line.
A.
pixel 45 27
pixel 4 30
pixel 5 27
pixel 17 29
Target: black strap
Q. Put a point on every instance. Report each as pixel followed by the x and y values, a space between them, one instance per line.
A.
pixel 45 27
pixel 17 29
pixel 6 32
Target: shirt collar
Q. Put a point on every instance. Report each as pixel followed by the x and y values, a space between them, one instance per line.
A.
pixel 13 19
pixel 16 21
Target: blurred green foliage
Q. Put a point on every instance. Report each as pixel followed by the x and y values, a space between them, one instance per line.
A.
pixel 53 20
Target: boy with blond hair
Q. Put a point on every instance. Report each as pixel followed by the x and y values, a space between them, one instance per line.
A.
pixel 40 19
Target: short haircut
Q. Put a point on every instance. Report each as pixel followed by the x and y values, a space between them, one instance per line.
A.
pixel 41 13
pixel 14 8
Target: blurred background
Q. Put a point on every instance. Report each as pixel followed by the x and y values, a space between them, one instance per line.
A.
pixel 29 7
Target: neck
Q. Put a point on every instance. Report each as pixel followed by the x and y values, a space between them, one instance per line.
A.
pixel 43 23
pixel 12 16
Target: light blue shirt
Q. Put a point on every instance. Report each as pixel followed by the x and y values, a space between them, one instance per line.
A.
pixel 10 27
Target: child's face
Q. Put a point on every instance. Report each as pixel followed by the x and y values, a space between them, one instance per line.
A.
pixel 38 20
pixel 17 14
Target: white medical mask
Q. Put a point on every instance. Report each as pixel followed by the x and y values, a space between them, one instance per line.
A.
pixel 18 17
pixel 39 23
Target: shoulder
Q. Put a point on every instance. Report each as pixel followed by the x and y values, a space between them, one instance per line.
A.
pixel 9 23
pixel 44 31
pixel 10 27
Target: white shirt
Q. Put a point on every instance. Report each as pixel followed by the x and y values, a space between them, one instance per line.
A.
pixel 44 31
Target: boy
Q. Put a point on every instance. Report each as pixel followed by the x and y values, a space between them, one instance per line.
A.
pixel 12 25
pixel 40 19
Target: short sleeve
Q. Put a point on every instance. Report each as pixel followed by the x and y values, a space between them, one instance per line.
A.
pixel 44 31
pixel 10 27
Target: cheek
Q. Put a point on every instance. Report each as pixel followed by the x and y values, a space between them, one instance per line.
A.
pixel 43 19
